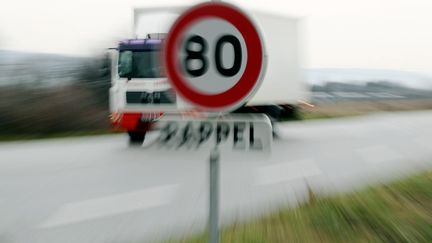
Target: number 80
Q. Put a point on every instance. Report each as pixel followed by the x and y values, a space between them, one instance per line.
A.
pixel 201 55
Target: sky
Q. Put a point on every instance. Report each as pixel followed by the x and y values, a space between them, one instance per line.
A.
pixel 374 34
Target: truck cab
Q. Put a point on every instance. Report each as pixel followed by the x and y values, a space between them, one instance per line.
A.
pixel 140 92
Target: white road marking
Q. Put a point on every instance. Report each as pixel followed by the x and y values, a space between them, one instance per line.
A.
pixel 379 154
pixel 277 173
pixel 111 205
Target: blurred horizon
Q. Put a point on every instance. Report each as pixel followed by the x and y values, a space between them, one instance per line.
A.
pixel 312 76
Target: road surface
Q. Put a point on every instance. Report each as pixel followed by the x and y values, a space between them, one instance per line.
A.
pixel 96 189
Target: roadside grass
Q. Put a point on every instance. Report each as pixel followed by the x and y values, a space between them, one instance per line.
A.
pixel 397 212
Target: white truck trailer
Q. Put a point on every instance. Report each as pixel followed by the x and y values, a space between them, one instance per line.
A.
pixel 140 94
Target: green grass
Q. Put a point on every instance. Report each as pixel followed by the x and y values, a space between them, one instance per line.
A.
pixel 397 212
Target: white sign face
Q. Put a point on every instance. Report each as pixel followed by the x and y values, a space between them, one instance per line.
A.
pixel 206 56
pixel 214 57
pixel 235 132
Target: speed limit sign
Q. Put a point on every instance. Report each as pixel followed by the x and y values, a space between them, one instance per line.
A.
pixel 214 56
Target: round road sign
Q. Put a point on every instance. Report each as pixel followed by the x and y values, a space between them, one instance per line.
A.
pixel 214 56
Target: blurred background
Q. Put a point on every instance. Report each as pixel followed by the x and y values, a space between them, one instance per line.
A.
pixel 362 56
pixel 44 94
pixel 368 72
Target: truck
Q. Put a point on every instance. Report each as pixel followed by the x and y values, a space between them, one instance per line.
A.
pixel 140 94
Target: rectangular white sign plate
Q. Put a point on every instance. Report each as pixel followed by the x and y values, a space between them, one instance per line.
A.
pixel 236 132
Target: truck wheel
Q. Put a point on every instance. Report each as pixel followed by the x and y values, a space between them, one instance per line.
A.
pixel 136 138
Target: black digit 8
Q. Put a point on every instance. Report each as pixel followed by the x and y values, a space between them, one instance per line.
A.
pixel 196 55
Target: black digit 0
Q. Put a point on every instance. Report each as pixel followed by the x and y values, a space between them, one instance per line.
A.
pixel 196 55
pixel 228 72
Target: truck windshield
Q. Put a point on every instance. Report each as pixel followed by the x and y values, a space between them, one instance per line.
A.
pixel 140 64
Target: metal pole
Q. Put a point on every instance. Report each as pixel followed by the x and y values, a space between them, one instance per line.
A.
pixel 214 192
pixel 214 196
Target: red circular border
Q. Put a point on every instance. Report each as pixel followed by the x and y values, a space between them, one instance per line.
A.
pixel 251 74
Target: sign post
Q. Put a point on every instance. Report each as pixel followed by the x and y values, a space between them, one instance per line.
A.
pixel 214 196
pixel 215 60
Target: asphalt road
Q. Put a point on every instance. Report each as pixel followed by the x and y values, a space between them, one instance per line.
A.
pixel 96 189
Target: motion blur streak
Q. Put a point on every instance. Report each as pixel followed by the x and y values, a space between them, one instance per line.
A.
pixel 59 181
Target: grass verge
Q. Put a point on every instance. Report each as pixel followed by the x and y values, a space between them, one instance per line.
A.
pixel 397 212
